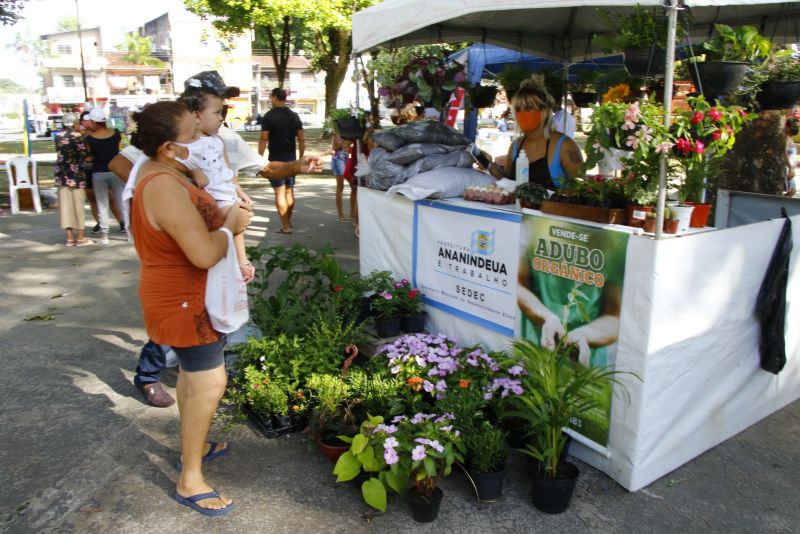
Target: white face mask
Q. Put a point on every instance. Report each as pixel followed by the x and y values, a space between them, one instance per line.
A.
pixel 195 153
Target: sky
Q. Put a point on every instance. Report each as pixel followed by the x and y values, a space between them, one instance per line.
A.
pixel 115 17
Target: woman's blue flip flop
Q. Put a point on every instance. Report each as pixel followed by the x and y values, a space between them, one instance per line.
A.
pixel 191 502
pixel 210 455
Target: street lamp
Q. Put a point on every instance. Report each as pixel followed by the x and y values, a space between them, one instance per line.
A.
pixel 80 44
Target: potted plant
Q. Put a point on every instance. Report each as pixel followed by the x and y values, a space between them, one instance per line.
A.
pixel 703 134
pixel 650 222
pixel 530 195
pixel 333 416
pixel 428 79
pixel 485 448
pixel 412 319
pixel 642 38
pixel 554 391
pixel 265 400
pixel 670 221
pixel 349 123
pixel 424 448
pixel 482 96
pixel 386 311
pixel 511 77
pixel 729 56
pixel 779 86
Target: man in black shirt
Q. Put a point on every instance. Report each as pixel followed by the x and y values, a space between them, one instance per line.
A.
pixel 279 128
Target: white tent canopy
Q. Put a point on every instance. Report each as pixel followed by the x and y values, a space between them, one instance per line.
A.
pixel 554 29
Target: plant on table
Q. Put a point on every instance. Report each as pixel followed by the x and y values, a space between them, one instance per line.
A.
pixel 530 194
pixel 702 134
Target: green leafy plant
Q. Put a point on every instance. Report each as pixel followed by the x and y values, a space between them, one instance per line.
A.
pixel 512 76
pixel 485 447
pixel 386 305
pixel 262 394
pixel 555 391
pixel 742 43
pixel 409 298
pixel 530 192
pixel 641 28
pixel 334 414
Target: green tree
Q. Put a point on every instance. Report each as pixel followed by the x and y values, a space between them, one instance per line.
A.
pixel 10 11
pixel 68 24
pixel 138 50
pixel 10 86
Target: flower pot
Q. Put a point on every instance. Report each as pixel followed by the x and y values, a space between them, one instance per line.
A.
pixel 700 215
pixel 333 451
pixel 529 205
pixel 778 95
pixel 482 96
pixel 387 327
pixel 670 226
pixel 350 128
pixel 714 79
pixel 489 485
pixel 684 215
pixel 584 100
pixel 636 215
pixel 553 495
pixel 649 225
pixel 425 509
pixel 649 62
pixel 411 324
pixel 281 422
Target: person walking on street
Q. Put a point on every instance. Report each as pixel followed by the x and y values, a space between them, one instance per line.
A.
pixel 279 129
pixel 87 127
pixel 71 153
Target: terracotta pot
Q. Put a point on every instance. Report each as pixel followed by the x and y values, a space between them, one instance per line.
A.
pixel 700 215
pixel 636 214
pixel 649 225
pixel 332 452
pixel 670 226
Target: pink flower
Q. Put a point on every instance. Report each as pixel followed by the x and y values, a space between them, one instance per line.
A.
pixel 684 145
pixel 714 114
pixel 632 142
pixel 699 147
pixel 387 296
pixel 337 289
pixel 632 115
pixel 716 135
pixel 665 147
pixel 697 117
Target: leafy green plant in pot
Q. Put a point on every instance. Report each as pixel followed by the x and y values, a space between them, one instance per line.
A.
pixel 333 416
pixel 555 391
pixel 778 81
pixel 511 77
pixel 410 300
pixel 349 123
pixel 729 56
pixel 530 195
pixel 386 308
pixel 485 448
pixel 641 35
pixel 482 96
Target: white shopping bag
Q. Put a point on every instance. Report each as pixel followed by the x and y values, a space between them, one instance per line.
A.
pixel 226 292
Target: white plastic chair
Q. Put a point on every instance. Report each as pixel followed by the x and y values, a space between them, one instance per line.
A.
pixel 18 167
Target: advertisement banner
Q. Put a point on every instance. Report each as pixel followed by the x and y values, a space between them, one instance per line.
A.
pixel 465 262
pixel 571 278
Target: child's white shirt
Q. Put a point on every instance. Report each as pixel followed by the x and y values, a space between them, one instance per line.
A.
pixel 210 158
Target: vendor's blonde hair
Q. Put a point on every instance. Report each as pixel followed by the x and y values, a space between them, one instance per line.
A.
pixel 532 93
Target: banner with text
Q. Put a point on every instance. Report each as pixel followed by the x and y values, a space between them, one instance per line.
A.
pixel 465 262
pixel 571 276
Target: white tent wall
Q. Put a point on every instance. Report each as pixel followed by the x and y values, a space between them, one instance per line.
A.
pixel 554 29
pixel 689 332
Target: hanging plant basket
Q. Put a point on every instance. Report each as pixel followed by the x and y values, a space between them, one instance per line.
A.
pixel 482 96
pixel 350 129
pixel 778 95
pixel 645 62
pixel 716 79
pixel 584 99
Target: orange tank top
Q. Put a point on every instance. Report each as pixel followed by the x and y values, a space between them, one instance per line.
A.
pixel 171 289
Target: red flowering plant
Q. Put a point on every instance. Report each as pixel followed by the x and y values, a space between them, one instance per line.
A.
pixel 598 190
pixel 701 134
pixel 410 298
pixel 386 304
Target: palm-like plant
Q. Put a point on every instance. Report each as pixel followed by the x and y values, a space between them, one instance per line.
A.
pixel 555 391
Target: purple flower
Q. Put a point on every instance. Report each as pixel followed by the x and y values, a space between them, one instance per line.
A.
pixel 399 418
pixel 516 370
pixel 404 282
pixel 435 445
pixel 427 386
pixel 398 285
pixel 418 453
pixel 390 443
pixel 390 455
pixel 389 429
pixel 387 296
pixel 441 385
pixel 395 369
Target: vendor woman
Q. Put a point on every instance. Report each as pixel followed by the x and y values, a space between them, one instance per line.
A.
pixel 552 155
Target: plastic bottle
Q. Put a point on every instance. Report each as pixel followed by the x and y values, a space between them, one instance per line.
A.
pixel 521 170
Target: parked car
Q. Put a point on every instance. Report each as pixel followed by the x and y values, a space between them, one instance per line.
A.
pixel 308 118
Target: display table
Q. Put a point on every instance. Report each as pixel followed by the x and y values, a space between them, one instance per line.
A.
pixel 687 330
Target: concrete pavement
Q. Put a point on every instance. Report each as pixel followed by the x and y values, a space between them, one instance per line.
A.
pixel 81 452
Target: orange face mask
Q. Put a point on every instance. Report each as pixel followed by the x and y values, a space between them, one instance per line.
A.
pixel 528 121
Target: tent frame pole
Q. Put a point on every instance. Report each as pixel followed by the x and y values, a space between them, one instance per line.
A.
pixel 672 18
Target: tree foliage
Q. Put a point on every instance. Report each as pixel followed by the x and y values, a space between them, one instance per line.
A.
pixel 68 24
pixel 10 86
pixel 138 50
pixel 10 11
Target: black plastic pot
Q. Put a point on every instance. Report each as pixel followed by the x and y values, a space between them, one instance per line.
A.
pixel 425 509
pixel 778 95
pixel 715 79
pixel 350 128
pixel 553 495
pixel 648 62
pixel 411 324
pixel 489 485
pixel 387 327
pixel 584 100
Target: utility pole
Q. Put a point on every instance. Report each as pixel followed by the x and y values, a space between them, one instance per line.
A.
pixel 80 44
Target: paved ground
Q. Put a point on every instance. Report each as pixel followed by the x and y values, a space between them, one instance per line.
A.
pixel 82 453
